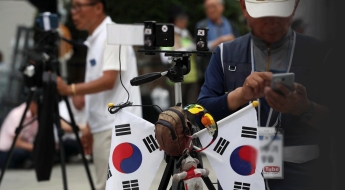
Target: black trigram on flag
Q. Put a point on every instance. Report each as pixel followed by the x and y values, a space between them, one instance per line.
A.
pixel 109 173
pixel 124 129
pixel 240 185
pixel 221 145
pixel 130 185
pixel 249 132
pixel 150 143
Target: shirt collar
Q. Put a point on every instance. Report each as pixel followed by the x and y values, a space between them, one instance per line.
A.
pixel 216 24
pixel 97 31
pixel 260 43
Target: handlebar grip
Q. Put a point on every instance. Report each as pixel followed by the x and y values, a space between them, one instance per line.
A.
pixel 142 79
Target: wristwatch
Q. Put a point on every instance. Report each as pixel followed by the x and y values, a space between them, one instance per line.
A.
pixel 308 115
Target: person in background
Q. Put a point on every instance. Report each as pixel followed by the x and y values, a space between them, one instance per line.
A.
pixel 220 29
pixel 71 147
pixel 23 147
pixel 108 67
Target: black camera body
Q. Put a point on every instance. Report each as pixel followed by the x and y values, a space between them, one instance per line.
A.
pixel 44 56
pixel 201 39
pixel 158 35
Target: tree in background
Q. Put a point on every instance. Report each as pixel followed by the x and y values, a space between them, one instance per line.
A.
pixel 137 11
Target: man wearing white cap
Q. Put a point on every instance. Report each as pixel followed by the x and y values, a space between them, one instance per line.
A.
pixel 241 70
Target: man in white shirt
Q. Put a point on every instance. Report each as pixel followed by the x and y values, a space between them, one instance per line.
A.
pixel 102 82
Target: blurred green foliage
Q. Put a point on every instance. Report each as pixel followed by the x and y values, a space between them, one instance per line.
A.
pixel 138 11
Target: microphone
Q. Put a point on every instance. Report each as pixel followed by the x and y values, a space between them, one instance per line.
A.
pixel 146 78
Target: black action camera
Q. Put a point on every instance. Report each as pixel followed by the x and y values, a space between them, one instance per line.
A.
pixel 158 35
pixel 201 39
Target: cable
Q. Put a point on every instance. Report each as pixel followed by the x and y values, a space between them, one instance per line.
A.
pixel 150 106
pixel 120 75
pixel 115 108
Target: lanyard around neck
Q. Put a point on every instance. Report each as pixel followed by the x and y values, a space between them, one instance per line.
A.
pixel 289 62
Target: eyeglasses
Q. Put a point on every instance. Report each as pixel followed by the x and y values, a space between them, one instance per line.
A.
pixel 77 7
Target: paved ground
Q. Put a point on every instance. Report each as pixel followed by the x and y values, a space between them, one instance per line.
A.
pixel 76 178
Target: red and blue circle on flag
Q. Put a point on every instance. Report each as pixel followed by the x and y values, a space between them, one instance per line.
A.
pixel 127 158
pixel 243 160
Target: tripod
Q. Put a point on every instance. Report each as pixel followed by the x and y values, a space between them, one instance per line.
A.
pixel 175 74
pixel 50 101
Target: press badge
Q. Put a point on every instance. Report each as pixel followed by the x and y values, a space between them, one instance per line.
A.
pixel 271 151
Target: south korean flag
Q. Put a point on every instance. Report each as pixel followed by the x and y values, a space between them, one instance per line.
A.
pixel 234 156
pixel 134 155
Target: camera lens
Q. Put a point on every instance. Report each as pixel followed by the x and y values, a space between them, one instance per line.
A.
pixel 200 44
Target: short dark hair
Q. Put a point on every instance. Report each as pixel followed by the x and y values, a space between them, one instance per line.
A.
pixel 104 3
pixel 177 11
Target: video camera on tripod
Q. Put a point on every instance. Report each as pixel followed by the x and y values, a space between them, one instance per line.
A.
pixel 40 70
pixel 44 56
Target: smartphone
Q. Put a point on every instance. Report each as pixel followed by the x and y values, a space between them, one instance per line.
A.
pixel 287 79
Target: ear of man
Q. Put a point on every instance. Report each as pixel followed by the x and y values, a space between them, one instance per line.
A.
pixel 243 8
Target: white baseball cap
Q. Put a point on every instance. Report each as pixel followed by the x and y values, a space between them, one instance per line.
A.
pixel 267 8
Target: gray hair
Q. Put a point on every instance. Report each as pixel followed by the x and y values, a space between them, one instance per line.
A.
pixel 219 1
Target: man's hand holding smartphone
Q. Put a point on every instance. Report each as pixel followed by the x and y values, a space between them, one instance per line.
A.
pixel 291 97
pixel 281 80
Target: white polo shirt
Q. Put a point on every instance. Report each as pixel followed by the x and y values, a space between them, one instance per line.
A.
pixel 79 117
pixel 102 57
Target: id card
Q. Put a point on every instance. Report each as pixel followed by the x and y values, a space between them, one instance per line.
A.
pixel 271 149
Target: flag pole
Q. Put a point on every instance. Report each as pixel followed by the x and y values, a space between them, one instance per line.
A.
pixel 249 106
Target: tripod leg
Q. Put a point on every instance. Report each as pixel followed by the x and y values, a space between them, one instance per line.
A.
pixel 206 180
pixel 17 131
pixel 61 145
pixel 175 185
pixel 208 183
pixel 168 171
pixel 76 130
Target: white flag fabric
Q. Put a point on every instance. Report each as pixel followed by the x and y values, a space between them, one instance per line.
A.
pixel 134 155
pixel 234 155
